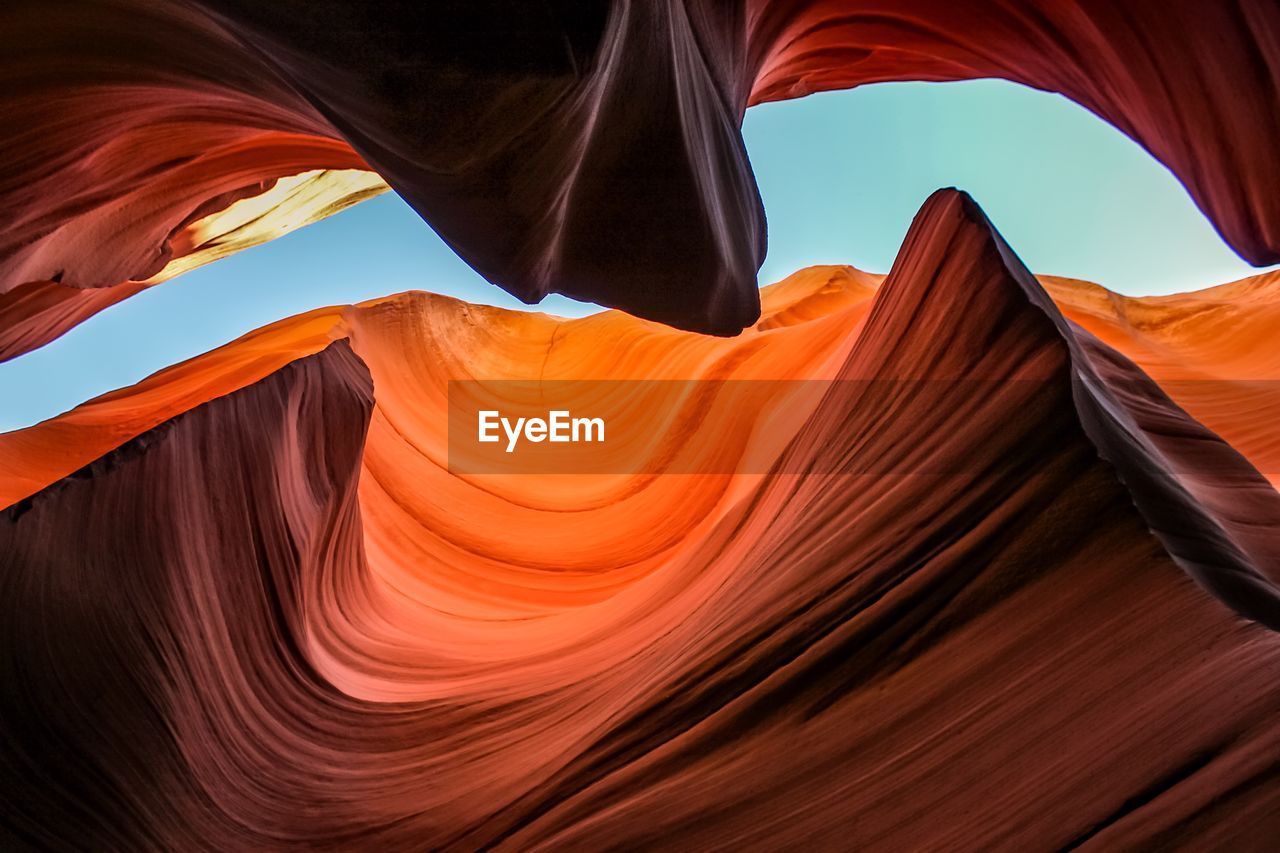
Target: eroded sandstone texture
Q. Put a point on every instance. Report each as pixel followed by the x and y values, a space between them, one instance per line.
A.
pixel 1018 589
pixel 272 618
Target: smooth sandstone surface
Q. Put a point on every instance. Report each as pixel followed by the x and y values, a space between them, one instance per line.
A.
pixel 1019 588
pixel 268 616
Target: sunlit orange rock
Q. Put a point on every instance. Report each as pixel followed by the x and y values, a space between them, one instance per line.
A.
pixel 1008 579
pixel 1003 592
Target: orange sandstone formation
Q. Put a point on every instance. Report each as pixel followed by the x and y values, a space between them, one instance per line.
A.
pixel 265 614
pixel 1007 579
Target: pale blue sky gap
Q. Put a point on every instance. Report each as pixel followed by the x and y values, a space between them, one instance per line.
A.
pixel 841 175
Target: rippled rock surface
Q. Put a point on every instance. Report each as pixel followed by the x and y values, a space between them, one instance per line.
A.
pixel 249 606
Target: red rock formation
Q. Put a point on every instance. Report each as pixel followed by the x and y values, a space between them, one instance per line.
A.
pixel 1001 586
pixel 519 136
pixel 1213 351
pixel 277 620
pixel 184 589
pixel 1192 82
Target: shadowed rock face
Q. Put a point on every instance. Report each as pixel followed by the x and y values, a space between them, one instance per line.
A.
pixel 276 620
pixel 535 141
pixel 102 612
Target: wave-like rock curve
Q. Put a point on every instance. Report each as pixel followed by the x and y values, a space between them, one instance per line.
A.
pixel 256 626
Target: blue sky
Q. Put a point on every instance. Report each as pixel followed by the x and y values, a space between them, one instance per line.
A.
pixel 841 175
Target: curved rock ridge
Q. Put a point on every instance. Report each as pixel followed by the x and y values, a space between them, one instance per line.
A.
pixel 305 630
pixel 1209 350
pixel 211 584
pixel 35 313
pixel 1213 351
pixel 518 136
pixel 1212 510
